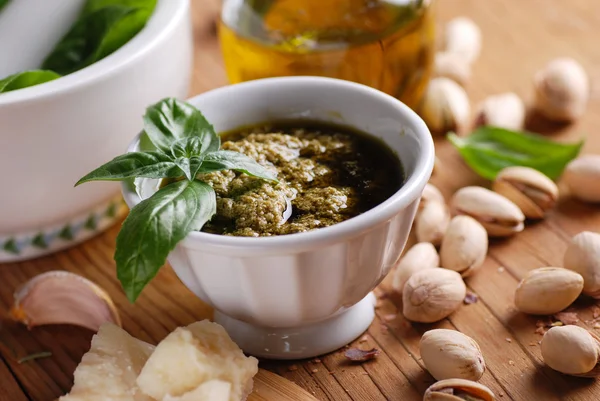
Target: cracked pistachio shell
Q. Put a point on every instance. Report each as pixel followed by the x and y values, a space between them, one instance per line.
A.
pixel 562 90
pixel 506 110
pixel 432 294
pixel 450 354
pixel 532 191
pixel 453 66
pixel 431 222
pixel 572 350
pixel 547 290
pixel 500 216
pixel 582 177
pixel 445 106
pixel 464 246
pixel 458 390
pixel 421 256
pixel 583 256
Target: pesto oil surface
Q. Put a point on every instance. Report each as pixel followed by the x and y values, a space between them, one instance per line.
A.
pixel 327 174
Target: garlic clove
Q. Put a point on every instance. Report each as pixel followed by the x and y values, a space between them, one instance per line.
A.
pixel 547 290
pixel 500 216
pixel 431 223
pixel 582 177
pixel 583 256
pixel 530 190
pixel 60 297
pixel 432 294
pixel 464 246
pixel 421 256
pixel 506 110
pixel 562 90
pixel 445 106
pixel 463 37
pixel 458 390
pixel 572 350
pixel 452 66
pixel 449 354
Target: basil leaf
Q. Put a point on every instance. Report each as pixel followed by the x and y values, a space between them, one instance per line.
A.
pixel 26 79
pixel 3 4
pixel 187 147
pixel 135 164
pixel 228 160
pixel 490 149
pixel 171 120
pixel 92 6
pixel 96 34
pixel 155 226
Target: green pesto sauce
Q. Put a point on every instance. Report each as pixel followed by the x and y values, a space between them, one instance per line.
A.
pixel 327 173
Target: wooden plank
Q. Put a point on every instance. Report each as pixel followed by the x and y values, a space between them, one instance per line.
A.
pixel 9 388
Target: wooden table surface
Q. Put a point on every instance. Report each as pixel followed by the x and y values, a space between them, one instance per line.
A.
pixel 519 38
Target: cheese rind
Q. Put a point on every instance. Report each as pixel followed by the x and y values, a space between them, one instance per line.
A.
pixel 193 355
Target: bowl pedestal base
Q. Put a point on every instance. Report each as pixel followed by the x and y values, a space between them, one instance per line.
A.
pixel 301 342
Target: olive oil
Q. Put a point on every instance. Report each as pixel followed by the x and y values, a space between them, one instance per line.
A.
pixel 386 44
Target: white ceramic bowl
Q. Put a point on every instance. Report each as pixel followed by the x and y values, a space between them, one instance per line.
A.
pixel 302 295
pixel 53 134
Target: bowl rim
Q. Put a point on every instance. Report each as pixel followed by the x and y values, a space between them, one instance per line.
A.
pixel 154 33
pixel 408 193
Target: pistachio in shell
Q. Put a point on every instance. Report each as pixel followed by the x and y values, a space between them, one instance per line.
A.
pixel 500 216
pixel 582 177
pixel 532 191
pixel 572 350
pixel 458 390
pixel 547 290
pixel 421 256
pixel 432 294
pixel 449 354
pixel 583 256
pixel 431 222
pixel 464 246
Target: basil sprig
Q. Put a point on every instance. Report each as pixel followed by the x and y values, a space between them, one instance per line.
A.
pixel 26 79
pixel 490 149
pixel 185 144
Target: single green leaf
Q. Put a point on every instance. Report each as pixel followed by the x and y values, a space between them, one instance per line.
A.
pixel 171 120
pixel 26 79
pixel 92 6
pixel 228 160
pixel 155 226
pixel 3 4
pixel 490 149
pixel 135 164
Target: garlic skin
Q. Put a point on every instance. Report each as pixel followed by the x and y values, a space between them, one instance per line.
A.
pixel 582 177
pixel 453 66
pixel 464 246
pixel 450 354
pixel 458 390
pixel 445 106
pixel 530 190
pixel 572 350
pixel 548 290
pixel 421 256
pixel 562 90
pixel 61 297
pixel 583 256
pixel 506 110
pixel 463 37
pixel 432 294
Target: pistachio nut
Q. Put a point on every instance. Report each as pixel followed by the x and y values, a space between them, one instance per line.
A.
pixel 583 256
pixel 421 256
pixel 432 294
pixel 431 194
pixel 582 177
pixel 445 106
pixel 500 216
pixel 450 354
pixel 464 246
pixel 572 350
pixel 547 290
pixel 458 390
pixel 463 37
pixel 530 190
pixel 506 110
pixel 562 90
pixel 453 66
pixel 431 222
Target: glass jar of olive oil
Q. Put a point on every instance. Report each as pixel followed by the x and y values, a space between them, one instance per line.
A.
pixel 386 44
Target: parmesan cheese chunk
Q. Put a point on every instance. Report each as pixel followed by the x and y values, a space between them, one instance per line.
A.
pixel 214 390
